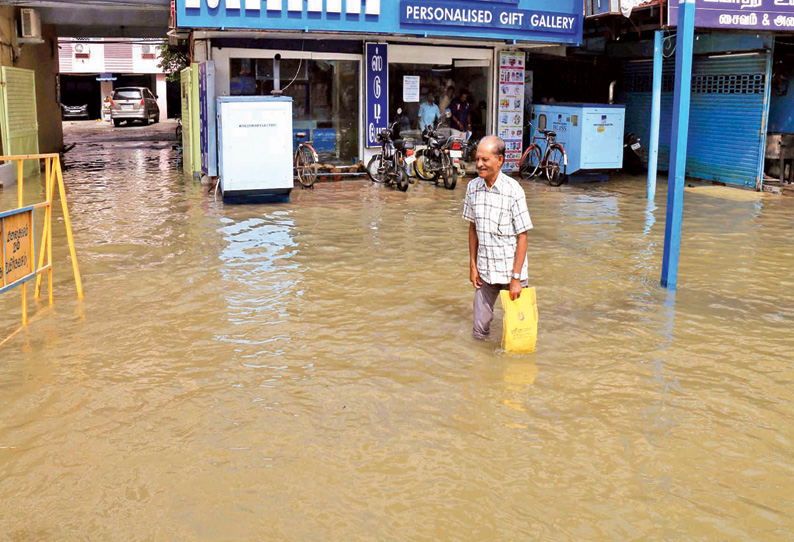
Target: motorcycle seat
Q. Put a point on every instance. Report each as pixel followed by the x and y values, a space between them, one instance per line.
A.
pixel 402 144
pixel 300 135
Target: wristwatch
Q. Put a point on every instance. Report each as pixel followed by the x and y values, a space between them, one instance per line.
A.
pixel 516 276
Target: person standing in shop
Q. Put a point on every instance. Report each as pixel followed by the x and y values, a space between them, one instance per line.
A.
pixel 428 113
pixel 461 114
pixel 446 99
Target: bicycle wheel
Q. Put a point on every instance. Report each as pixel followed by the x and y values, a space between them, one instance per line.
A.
pixel 529 166
pixel 555 165
pixel 375 169
pixel 306 166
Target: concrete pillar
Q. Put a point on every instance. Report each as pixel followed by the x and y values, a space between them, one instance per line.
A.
pixel 685 41
pixel 200 51
pixel 43 59
pixel 161 93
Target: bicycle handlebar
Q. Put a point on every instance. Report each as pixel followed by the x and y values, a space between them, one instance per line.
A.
pixel 544 132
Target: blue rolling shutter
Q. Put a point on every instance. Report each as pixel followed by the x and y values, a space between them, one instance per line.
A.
pixel 726 120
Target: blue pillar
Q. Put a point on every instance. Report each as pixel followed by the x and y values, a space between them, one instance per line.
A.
pixel 656 111
pixel 685 41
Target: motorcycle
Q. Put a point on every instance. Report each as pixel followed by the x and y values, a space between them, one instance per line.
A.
pixel 390 165
pixel 632 162
pixel 440 157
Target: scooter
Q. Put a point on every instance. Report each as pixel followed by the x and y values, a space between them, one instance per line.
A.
pixel 390 165
pixel 440 157
pixel 632 162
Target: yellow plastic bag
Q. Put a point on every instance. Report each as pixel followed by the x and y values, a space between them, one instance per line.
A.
pixel 520 327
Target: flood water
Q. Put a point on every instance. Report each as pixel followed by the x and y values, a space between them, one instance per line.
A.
pixel 306 371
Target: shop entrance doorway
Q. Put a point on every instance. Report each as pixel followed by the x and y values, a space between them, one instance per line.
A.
pixel 438 75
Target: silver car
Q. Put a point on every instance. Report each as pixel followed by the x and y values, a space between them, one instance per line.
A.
pixel 134 103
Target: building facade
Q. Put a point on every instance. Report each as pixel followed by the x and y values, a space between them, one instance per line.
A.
pixel 738 73
pixel 350 65
pixel 90 68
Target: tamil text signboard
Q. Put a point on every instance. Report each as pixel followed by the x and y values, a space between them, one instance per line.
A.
pixel 17 230
pixel 377 91
pixel 764 15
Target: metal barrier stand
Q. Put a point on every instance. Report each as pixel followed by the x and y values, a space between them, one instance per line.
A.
pixel 53 176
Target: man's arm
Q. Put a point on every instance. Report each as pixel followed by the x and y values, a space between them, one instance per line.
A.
pixel 518 264
pixel 474 244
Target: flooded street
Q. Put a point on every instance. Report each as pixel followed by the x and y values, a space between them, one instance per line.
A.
pixel 306 371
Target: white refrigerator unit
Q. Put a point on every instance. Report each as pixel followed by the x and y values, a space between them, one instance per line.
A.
pixel 255 148
pixel 591 134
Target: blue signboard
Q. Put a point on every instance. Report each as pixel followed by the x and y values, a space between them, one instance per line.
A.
pixel 377 67
pixel 494 16
pixel 558 21
pixel 765 15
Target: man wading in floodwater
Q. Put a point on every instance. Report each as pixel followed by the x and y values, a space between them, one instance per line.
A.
pixel 496 208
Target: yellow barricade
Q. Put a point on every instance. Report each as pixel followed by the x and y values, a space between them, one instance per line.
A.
pixel 18 229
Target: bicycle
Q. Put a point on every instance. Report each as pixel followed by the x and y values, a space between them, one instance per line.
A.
pixel 553 161
pixel 305 161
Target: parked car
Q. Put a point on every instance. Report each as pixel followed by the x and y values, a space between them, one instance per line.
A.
pixel 75 111
pixel 134 103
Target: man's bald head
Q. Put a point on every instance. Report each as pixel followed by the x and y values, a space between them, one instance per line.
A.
pixel 493 144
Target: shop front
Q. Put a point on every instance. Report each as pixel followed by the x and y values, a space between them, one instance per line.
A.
pixel 350 66
pixel 421 74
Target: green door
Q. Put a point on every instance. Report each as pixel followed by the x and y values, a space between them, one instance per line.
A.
pixel 191 146
pixel 19 126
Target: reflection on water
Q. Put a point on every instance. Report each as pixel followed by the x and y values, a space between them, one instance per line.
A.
pixel 306 371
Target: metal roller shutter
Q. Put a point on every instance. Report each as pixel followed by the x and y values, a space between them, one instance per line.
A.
pixel 726 123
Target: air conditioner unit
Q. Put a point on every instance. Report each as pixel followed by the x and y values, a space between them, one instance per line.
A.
pixel 147 50
pixel 31 24
pixel 80 49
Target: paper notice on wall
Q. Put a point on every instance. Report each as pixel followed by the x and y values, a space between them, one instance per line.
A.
pixel 410 88
pixel 511 106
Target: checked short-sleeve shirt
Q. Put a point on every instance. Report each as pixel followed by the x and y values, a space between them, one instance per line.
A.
pixel 499 215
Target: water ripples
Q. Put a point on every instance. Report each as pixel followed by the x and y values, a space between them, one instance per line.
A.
pixel 306 370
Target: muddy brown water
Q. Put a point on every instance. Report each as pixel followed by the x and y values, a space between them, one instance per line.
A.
pixel 306 372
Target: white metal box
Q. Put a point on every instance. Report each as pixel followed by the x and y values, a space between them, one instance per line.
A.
pixel 595 8
pixel 30 24
pixel 591 134
pixel 255 147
